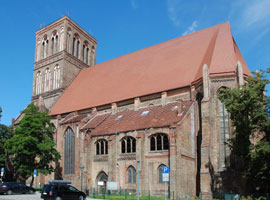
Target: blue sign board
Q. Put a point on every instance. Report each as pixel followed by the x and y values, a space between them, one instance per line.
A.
pixel 35 172
pixel 165 170
pixel 2 169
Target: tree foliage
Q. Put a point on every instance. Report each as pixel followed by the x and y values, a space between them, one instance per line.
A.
pixel 32 146
pixel 249 109
pixel 5 134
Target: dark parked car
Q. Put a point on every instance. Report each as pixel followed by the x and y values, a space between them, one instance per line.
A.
pixel 10 188
pixel 61 190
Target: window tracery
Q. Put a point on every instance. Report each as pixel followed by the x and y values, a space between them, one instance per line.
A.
pixel 131 175
pixel 159 141
pixel 101 147
pixel 69 152
pixel 128 145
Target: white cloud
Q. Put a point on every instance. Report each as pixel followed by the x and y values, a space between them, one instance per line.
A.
pixel 173 8
pixel 255 13
pixel 134 4
pixel 191 28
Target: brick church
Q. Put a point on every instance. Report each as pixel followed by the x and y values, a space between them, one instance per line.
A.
pixel 128 117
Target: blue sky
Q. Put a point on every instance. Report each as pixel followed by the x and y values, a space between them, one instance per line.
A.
pixel 121 27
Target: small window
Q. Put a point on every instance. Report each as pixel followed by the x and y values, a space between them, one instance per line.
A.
pixel 101 147
pixel 128 145
pixel 159 142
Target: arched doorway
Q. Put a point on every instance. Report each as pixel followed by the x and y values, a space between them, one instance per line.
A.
pixel 101 182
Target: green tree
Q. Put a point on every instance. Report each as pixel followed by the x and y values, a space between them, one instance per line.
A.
pixel 32 146
pixel 250 144
pixel 5 134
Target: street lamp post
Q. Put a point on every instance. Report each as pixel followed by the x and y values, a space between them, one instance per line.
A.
pixel 81 168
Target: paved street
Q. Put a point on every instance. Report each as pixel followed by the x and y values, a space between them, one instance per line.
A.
pixel 22 197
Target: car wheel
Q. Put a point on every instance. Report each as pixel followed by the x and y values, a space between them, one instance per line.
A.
pixel 58 198
pixel 81 198
pixel 9 192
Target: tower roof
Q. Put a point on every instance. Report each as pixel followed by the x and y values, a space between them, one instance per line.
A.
pixel 173 64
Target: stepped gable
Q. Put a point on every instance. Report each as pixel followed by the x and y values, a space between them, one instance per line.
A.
pixel 173 64
pixel 130 120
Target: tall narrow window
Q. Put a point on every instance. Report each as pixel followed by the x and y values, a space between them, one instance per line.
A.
pixel 87 54
pixel 38 83
pixel 69 40
pixel 73 47
pixel 56 43
pixel 133 146
pixel 102 147
pixel 128 145
pixel 78 49
pixel 131 175
pixel 153 143
pixel 123 144
pixel 165 142
pixel 224 134
pixel 160 171
pixel 47 80
pixel 92 56
pixel 56 77
pixel 83 49
pixel 43 50
pixel 69 152
pixel 97 148
pixel 159 142
pixel 52 47
pixel 46 45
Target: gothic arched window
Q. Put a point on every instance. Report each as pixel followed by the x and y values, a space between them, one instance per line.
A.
pixel 56 77
pixel 128 145
pixel 73 47
pixel 159 141
pixel 224 134
pixel 160 171
pixel 38 83
pixel 47 80
pixel 101 147
pixel 69 151
pixel 78 47
pixel 87 54
pixel 92 55
pixel 83 54
pixel 131 175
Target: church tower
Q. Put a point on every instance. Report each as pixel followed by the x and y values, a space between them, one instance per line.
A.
pixel 63 48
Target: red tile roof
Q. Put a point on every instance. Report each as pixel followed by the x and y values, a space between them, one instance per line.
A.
pixel 169 65
pixel 74 119
pixel 158 116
